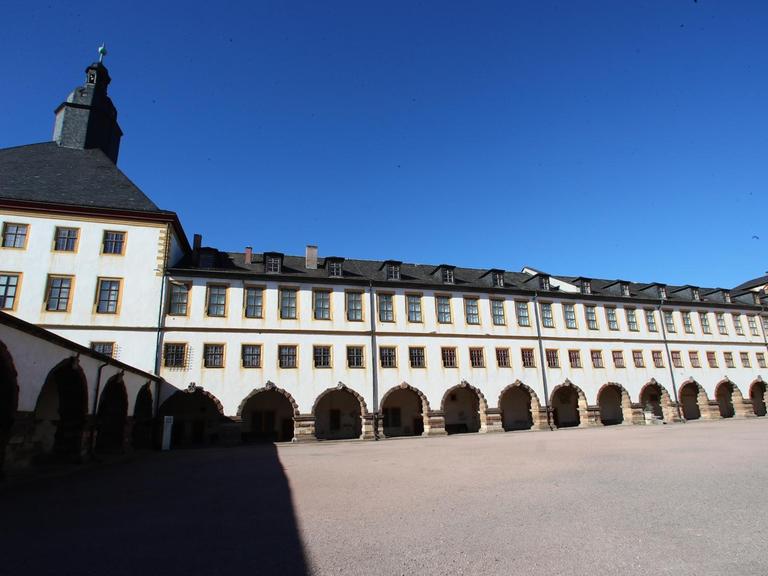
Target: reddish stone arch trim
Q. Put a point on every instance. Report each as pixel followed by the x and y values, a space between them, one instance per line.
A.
pixel 622 390
pixel 405 386
pixel 464 384
pixel 699 388
pixel 727 382
pixel 518 384
pixel 567 383
pixel 268 387
pixel 197 390
pixel 757 382
pixel 343 387
pixel 667 407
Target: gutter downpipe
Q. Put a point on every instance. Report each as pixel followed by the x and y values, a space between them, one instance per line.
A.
pixel 161 320
pixel 669 359
pixel 92 437
pixel 542 359
pixel 374 363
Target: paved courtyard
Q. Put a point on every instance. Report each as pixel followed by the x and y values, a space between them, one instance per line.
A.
pixel 682 499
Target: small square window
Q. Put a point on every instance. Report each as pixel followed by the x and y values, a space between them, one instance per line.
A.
pixel 498 279
pixel 321 356
pixel 251 355
pixel 287 356
pixel 447 275
pixel 65 239
pixel 213 355
pixel 526 355
pixel 106 348
pixel 113 243
pixel 449 357
pixel 15 235
pixel 174 355
pixel 388 356
pixel 502 358
pixel 335 269
pixel 476 358
pixel 355 358
pixel 273 264
pixel 416 357
pixel 393 272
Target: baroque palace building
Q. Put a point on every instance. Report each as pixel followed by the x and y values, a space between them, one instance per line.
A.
pixel 264 345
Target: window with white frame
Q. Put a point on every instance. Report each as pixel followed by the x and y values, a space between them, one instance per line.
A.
pixel 569 314
pixel 591 314
pixel 547 318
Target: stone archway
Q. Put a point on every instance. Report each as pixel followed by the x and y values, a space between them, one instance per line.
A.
pixel 464 409
pixel 9 399
pixel 405 412
pixel 655 398
pixel 569 406
pixel 724 396
pixel 141 433
pixel 197 417
pixel 268 414
pixel 339 414
pixel 520 407
pixel 61 411
pixel 694 401
pixel 112 416
pixel 615 405
pixel 757 393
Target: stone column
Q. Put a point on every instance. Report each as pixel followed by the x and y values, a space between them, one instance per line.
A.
pixel 304 428
pixel 367 427
pixel 626 409
pixel 587 413
pixel 436 423
pixel 742 408
pixel 539 417
pixel 710 409
pixel 493 421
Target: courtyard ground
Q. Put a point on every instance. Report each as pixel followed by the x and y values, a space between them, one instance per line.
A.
pixel 682 499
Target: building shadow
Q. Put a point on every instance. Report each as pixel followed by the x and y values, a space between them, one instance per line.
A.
pixel 212 511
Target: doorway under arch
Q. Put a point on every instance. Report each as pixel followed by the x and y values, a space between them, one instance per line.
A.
pixel 338 414
pixel 141 434
pixel 518 404
pixel 689 399
pixel 610 400
pixel 565 405
pixel 112 416
pixel 724 395
pixel 267 415
pixel 404 409
pixel 464 409
pixel 757 395
pixel 197 415
pixel 9 399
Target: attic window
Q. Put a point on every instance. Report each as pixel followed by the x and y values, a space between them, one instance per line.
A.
pixel 586 287
pixel 662 292
pixel 544 282
pixel 273 264
pixel 696 293
pixel 447 275
pixel 334 269
pixel 498 279
pixel 393 272
pixel 756 297
pixel 727 296
pixel 625 289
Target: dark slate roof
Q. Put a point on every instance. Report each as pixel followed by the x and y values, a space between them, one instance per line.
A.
pixel 54 174
pixel 749 284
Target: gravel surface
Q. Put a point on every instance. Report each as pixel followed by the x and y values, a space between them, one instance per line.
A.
pixel 678 499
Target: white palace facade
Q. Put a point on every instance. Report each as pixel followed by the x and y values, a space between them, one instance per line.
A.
pixel 262 345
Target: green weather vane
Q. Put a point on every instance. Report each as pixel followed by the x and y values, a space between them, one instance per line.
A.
pixel 102 52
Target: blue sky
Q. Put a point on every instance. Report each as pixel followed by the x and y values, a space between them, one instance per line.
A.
pixel 603 138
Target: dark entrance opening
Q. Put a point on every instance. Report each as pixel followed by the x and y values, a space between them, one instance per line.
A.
pixel 611 412
pixel 267 417
pixel 565 407
pixel 338 416
pixel 112 416
pixel 650 397
pixel 515 407
pixel 403 413
pixel 142 419
pixel 689 398
pixel 462 411
pixel 9 399
pixel 757 395
pixel 724 396
pixel 196 418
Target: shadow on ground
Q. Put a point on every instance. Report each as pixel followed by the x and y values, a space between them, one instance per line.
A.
pixel 214 511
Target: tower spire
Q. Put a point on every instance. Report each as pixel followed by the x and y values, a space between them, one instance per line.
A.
pixel 102 52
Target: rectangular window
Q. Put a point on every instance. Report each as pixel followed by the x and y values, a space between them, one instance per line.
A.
pixel 760 359
pixel 574 358
pixel 287 356
pixel 502 358
pixel 108 296
pixel 597 359
pixel 631 314
pixel 213 355
pixel 106 348
pixel 57 298
pixel 704 321
pixel 321 303
pixel 113 243
pixel 471 311
pixel 737 325
pixel 712 359
pixel 752 323
pixel 388 356
pixel 273 264
pixel 618 359
pixel 591 314
pixel 335 269
pixel 553 360
pixel 610 316
pixel 386 308
pixel 416 357
pixel 250 354
pixel 288 303
pixel 174 355
pixel 414 307
pixel 497 312
pixel 529 361
pixel 523 318
pixel 217 301
pixel 254 302
pixel 447 275
pixel 569 313
pixel 321 356
pixel 65 239
pixel 9 284
pixel 728 357
pixel 765 323
pixel 547 319
pixel 650 321
pixel 721 327
pixel 677 359
pixel 393 272
pixel 693 356
pixel 443 309
pixel 178 299
pixel 498 279
pixel 449 357
pixel 658 361
pixel 355 358
pixel 687 322
pixel 669 321
pixel 15 235
pixel 476 358
pixel 745 360
pixel 355 306
pixel 637 358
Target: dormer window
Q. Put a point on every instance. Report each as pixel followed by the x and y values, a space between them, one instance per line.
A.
pixel 335 269
pixel 756 298
pixel 586 287
pixel 447 275
pixel 662 292
pixel 625 289
pixel 393 271
pixel 727 296
pixel 696 294
pixel 544 282
pixel 498 279
pixel 273 264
